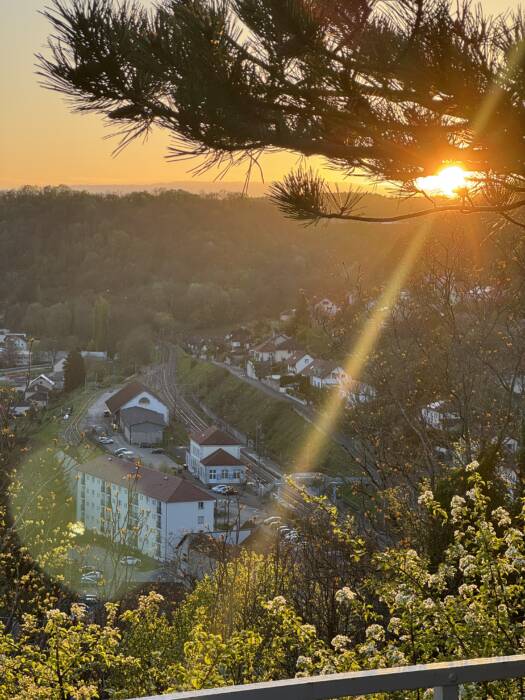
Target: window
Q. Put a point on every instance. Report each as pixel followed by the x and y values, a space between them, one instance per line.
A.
pixel 144 401
pixel 212 474
pixel 201 505
pixel 200 520
pixel 237 474
pixel 225 473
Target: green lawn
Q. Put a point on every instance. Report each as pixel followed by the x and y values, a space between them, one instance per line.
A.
pixel 282 432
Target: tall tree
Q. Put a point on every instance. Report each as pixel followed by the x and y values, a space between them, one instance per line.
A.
pixel 101 324
pixel 394 90
pixel 74 371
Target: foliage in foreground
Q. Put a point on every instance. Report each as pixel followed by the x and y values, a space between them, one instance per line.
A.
pixel 404 612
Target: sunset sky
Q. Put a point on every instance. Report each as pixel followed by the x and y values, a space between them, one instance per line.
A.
pixel 42 142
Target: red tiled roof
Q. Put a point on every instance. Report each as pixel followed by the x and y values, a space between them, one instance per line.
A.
pixel 221 458
pixel 150 482
pixel 214 436
pixel 115 402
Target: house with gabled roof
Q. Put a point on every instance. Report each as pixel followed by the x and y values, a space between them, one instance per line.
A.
pixel 276 349
pixel 298 361
pixel 136 395
pixel 324 374
pixel 214 457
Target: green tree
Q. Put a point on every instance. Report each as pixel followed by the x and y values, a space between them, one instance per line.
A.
pixel 395 90
pixel 74 371
pixel 101 324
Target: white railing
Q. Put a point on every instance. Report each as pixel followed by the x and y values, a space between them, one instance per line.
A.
pixel 444 678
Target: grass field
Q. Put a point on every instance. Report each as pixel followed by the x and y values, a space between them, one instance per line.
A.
pixel 281 432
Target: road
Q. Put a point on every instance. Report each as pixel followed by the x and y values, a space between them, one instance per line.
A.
pixel 348 443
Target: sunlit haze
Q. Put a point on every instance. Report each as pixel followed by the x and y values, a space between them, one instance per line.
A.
pixel 42 142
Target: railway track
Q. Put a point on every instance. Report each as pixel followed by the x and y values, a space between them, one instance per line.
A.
pixel 163 379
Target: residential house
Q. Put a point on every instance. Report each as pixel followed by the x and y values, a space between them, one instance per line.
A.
pixel 136 395
pixel 141 426
pixel 437 415
pixel 39 390
pixel 298 361
pixel 358 392
pixel 152 511
pixel 94 355
pixel 326 307
pixel 239 340
pixel 214 457
pixel 200 553
pixel 14 347
pixel 276 349
pixel 41 382
pixel 324 374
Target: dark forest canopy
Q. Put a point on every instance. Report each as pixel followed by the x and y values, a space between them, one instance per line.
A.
pixel 176 261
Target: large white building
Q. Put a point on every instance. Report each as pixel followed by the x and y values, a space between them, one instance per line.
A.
pixel 140 507
pixel 214 458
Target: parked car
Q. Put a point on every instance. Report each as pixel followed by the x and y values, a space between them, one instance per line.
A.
pixel 127 453
pixel 119 450
pixel 274 519
pixel 91 577
pixel 89 598
pixel 220 488
pixel 130 561
pixel 157 451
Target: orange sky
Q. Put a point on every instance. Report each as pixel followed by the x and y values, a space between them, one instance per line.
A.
pixel 42 142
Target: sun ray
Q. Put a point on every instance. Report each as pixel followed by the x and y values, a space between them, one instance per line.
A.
pixel 321 432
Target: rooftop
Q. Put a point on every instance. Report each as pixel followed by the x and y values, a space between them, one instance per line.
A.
pixel 214 436
pixel 150 482
pixel 136 415
pixel 128 392
pixel 221 458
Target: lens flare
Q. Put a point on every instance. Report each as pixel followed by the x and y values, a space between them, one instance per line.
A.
pixel 324 428
pixel 448 182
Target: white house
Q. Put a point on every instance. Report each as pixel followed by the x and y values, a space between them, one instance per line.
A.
pixel 436 415
pixel 276 349
pixel 136 395
pixel 327 307
pixel 140 507
pixel 299 361
pixel 358 392
pixel 323 374
pixel 214 458
pixel 41 382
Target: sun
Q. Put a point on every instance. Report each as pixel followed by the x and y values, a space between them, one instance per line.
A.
pixel 448 182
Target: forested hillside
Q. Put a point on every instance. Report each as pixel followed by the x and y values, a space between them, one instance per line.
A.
pixel 168 260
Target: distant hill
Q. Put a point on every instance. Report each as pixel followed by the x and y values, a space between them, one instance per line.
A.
pixel 173 259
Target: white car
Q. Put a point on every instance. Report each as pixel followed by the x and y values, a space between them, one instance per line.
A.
pixel 130 561
pixel 221 488
pixel 126 453
pixel 91 577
